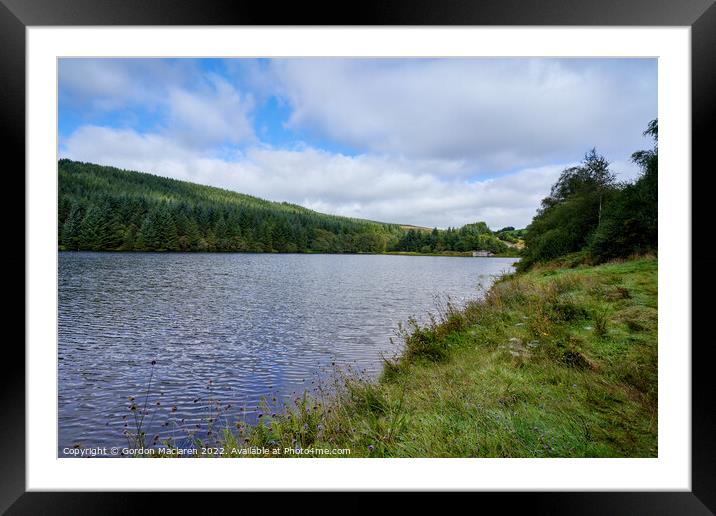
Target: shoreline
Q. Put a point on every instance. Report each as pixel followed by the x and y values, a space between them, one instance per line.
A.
pixel 453 254
pixel 554 362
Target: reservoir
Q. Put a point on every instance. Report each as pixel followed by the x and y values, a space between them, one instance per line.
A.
pixel 230 330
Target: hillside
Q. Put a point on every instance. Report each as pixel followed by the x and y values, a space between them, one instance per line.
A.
pixel 104 208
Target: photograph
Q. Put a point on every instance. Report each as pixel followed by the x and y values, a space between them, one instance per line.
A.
pixel 415 250
pixel 357 257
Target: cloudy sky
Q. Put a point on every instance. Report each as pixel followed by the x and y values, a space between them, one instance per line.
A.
pixel 430 142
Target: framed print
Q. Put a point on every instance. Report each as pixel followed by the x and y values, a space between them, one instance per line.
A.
pixel 416 248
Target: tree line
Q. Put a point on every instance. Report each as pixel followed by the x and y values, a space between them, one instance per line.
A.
pixel 469 237
pixel 590 214
pixel 105 208
pixel 108 209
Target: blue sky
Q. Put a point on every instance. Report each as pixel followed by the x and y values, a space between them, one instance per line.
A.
pixel 434 142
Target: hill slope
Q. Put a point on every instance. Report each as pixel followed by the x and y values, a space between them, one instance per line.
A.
pixel 108 209
pixel 105 208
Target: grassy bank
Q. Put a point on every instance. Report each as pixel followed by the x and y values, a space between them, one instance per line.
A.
pixel 553 363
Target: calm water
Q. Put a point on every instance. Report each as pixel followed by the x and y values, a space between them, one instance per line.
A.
pixel 255 325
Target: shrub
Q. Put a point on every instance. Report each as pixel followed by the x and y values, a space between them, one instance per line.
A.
pixel 601 318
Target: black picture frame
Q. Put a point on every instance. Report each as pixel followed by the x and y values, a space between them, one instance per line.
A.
pixel 700 15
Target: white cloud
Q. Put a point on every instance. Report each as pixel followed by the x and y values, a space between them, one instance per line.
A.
pixel 420 192
pixel 218 116
pixel 198 109
pixel 500 114
pixel 99 85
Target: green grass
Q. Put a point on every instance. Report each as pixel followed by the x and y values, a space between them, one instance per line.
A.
pixel 552 363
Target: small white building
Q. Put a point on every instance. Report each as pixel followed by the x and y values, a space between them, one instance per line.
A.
pixel 481 253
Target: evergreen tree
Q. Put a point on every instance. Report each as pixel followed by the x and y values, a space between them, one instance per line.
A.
pixel 221 232
pixel 148 238
pixel 70 235
pixel 93 230
pixel 167 230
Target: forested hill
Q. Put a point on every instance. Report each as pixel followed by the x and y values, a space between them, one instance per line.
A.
pixel 104 208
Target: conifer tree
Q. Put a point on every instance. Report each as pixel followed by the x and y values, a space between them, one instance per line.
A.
pixel 70 237
pixel 93 230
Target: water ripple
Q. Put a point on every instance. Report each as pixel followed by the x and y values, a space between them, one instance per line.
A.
pixel 257 326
